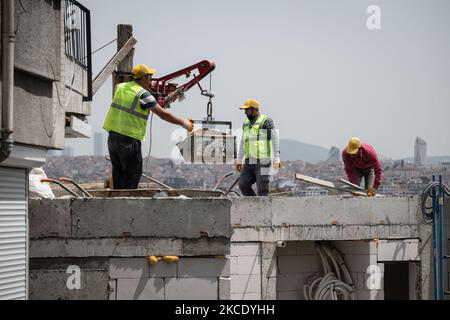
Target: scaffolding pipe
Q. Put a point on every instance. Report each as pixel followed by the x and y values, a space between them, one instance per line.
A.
pixel 441 240
pixel 8 39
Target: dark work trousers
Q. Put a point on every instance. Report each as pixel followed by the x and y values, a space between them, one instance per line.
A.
pixel 252 173
pixel 126 159
pixel 368 175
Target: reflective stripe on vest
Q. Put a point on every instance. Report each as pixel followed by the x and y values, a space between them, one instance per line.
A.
pixel 256 143
pixel 123 116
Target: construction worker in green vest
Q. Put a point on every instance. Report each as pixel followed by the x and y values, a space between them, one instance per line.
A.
pixel 259 151
pixel 126 123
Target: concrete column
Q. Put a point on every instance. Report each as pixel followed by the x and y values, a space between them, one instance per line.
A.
pixel 269 271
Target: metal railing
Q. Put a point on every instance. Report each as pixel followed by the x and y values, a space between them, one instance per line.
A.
pixel 77 38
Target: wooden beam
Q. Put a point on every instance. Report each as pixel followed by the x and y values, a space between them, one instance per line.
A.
pixel 113 64
pixel 329 184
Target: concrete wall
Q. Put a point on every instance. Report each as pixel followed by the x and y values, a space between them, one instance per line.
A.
pixel 110 240
pixel 191 278
pixel 47 83
pixel 125 227
pixel 127 230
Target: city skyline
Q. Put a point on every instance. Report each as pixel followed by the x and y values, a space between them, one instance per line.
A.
pixel 318 70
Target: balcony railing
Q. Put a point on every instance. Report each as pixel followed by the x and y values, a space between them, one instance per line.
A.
pixel 77 38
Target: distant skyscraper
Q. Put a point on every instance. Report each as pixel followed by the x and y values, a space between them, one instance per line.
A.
pixel 420 152
pixel 334 156
pixel 98 144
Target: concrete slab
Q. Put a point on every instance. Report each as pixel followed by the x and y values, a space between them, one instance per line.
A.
pixel 179 218
pixel 41 212
pixel 128 268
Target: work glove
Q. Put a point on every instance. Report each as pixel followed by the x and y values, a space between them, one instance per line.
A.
pixel 371 192
pixel 238 166
pixel 188 124
pixel 276 164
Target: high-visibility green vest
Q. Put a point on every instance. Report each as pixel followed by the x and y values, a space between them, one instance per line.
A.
pixel 256 143
pixel 125 116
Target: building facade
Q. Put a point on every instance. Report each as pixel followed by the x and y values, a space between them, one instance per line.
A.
pixel 45 98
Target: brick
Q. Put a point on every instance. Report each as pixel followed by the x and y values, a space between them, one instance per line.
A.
pixel 203 267
pixel 245 284
pixel 245 249
pixel 140 289
pixel 249 265
pixel 192 289
pixel 128 268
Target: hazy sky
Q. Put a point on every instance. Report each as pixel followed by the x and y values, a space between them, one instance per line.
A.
pixel 317 69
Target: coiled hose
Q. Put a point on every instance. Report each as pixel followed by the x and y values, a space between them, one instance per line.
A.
pixel 331 286
pixel 427 212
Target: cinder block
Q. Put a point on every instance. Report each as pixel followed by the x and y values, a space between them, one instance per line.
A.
pixel 246 296
pixel 224 288
pixel 245 249
pixel 249 265
pixel 203 267
pixel 140 289
pixel 294 264
pixel 398 250
pixel 128 268
pixel 233 265
pixel 290 282
pixel 192 289
pixel 162 270
pixel 245 284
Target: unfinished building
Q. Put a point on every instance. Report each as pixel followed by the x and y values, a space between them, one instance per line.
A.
pixel 228 248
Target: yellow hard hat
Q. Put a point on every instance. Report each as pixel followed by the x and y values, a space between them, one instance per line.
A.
pixel 353 145
pixel 142 70
pixel 251 103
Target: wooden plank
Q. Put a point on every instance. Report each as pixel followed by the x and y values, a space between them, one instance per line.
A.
pixel 351 184
pixel 328 184
pixel 113 64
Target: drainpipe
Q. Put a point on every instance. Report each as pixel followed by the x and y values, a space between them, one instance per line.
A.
pixel 8 39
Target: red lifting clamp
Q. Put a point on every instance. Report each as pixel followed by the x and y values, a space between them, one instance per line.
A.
pixel 161 87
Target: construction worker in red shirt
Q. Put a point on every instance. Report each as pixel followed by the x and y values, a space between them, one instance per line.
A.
pixel 361 160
